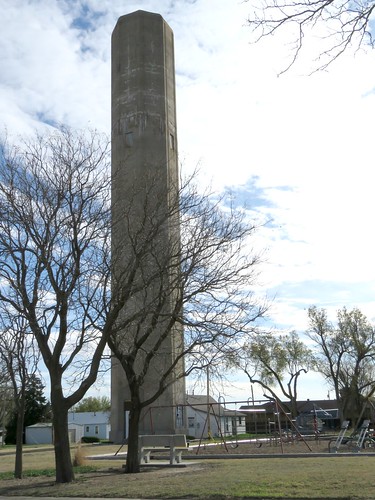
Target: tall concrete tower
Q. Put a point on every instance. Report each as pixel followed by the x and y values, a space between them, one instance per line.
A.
pixel 145 180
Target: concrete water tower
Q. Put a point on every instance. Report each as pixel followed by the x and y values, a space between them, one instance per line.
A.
pixel 144 177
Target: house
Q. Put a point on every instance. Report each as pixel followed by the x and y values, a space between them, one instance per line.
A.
pixel 94 423
pixel 39 434
pixel 206 417
pixel 267 416
pixel 42 433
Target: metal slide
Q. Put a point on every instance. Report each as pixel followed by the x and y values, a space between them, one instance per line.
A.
pixel 362 434
pixel 333 448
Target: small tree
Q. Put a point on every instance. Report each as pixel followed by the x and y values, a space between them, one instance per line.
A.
pixel 6 398
pixel 20 359
pixel 54 261
pixel 346 357
pixel 275 362
pixel 201 283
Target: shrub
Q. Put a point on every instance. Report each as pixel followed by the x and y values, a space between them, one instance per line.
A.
pixel 90 439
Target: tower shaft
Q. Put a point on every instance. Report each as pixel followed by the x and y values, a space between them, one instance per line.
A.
pixel 144 211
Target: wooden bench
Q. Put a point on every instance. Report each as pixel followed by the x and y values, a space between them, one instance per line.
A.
pixel 175 444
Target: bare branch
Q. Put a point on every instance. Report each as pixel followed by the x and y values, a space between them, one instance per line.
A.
pixel 346 25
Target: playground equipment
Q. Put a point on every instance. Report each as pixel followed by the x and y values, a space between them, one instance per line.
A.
pixel 334 444
pixel 357 441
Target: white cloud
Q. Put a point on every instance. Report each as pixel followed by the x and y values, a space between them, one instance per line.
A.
pixel 312 135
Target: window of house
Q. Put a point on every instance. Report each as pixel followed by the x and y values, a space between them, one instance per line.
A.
pixel 87 428
pixel 226 424
pixel 96 429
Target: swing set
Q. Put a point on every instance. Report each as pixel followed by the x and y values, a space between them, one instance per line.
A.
pixel 279 437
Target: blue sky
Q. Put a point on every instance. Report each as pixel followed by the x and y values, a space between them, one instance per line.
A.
pixel 297 148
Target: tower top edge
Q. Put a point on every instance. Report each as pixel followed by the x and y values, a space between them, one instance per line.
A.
pixel 140 14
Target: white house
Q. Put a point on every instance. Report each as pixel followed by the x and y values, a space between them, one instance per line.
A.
pixel 39 434
pixel 42 433
pixel 94 423
pixel 210 417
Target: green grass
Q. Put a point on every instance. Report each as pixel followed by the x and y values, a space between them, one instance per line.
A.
pixel 84 469
pixel 330 477
pixel 29 473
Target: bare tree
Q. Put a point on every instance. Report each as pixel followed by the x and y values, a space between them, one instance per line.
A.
pixel 19 357
pixel 54 261
pixel 346 357
pixel 346 25
pixel 55 271
pixel 201 284
pixel 275 362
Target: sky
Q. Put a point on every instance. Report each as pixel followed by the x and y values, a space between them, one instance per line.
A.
pixel 296 148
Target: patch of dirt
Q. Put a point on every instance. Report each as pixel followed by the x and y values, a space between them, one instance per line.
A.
pixel 269 447
pixel 92 484
pixel 263 447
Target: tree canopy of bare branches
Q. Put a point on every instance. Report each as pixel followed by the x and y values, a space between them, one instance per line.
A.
pixel 341 24
pixel 54 260
pixel 193 294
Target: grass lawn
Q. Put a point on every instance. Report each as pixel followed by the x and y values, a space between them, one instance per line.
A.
pixel 343 477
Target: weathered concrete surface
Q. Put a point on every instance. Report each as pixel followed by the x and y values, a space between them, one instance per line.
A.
pixel 145 180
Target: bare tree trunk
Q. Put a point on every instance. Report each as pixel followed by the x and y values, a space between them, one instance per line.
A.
pixel 293 407
pixel 63 460
pixel 19 438
pixel 132 459
pixel 352 406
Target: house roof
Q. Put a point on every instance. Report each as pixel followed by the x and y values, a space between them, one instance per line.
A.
pixel 200 402
pixel 48 425
pixel 307 406
pixel 40 425
pixel 319 404
pixel 89 417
